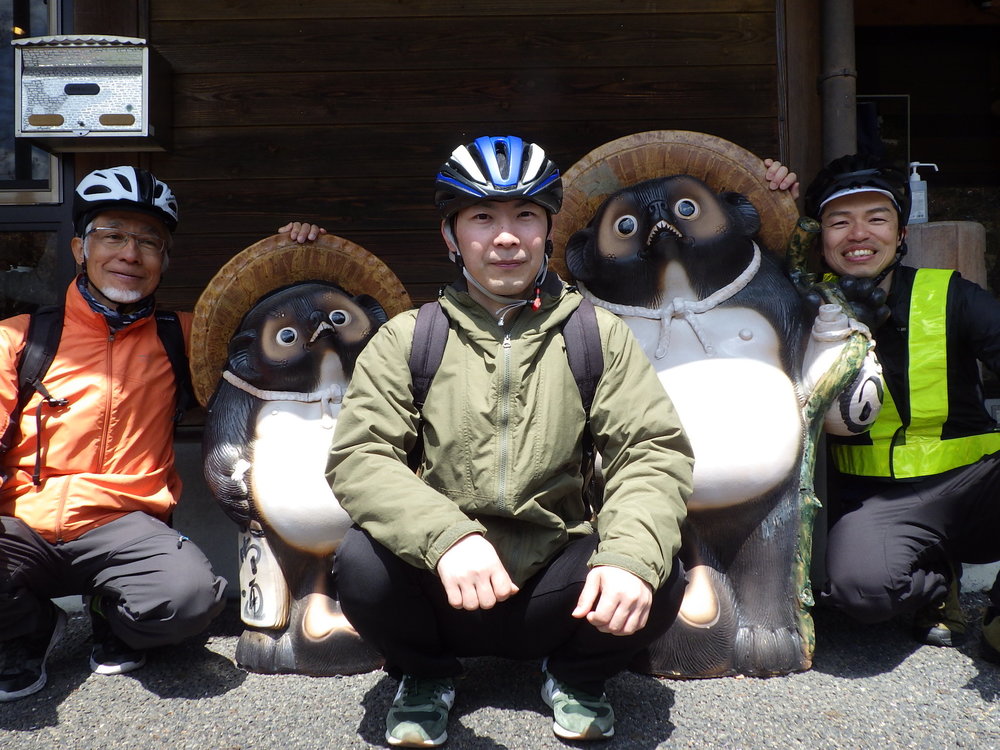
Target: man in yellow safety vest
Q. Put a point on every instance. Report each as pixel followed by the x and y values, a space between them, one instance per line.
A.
pixel 916 496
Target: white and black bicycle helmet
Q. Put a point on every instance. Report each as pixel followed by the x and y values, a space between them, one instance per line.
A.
pixel 497 168
pixel 857 173
pixel 126 188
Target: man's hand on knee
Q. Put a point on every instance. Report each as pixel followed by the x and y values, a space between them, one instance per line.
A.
pixel 473 576
pixel 614 600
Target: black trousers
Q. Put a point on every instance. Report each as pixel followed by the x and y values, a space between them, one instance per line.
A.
pixel 892 545
pixel 404 613
pixel 162 586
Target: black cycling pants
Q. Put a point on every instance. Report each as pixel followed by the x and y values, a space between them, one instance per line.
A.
pixel 404 613
pixel 161 585
pixel 893 545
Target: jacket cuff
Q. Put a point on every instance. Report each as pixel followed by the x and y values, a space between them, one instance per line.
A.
pixel 448 537
pixel 632 565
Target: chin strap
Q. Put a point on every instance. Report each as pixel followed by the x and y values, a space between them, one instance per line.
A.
pixel 510 303
pixel 900 252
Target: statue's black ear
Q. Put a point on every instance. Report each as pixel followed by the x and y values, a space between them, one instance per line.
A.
pixel 371 306
pixel 743 212
pixel 242 341
pixel 581 250
pixel 241 360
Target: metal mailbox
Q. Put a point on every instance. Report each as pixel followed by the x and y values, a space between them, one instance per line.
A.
pixel 91 93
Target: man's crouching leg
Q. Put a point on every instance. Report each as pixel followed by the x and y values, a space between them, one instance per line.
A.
pixel 151 587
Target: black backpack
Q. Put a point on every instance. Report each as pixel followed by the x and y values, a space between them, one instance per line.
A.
pixel 583 350
pixel 41 343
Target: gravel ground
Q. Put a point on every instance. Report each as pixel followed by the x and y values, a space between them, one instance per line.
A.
pixel 871 687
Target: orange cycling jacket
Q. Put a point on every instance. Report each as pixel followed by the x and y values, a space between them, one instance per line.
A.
pixel 110 450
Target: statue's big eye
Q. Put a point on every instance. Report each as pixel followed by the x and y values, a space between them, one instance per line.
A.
pixel 340 317
pixel 686 208
pixel 626 226
pixel 287 336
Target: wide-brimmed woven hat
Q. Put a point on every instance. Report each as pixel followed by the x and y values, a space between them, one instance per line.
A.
pixel 720 164
pixel 270 264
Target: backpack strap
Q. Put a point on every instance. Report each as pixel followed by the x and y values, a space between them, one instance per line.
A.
pixel 168 328
pixel 583 349
pixel 41 343
pixel 429 338
pixel 586 360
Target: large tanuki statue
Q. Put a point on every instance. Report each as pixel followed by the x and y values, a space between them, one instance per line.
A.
pixel 283 323
pixel 751 368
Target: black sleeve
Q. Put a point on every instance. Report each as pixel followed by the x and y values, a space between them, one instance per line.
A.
pixel 977 321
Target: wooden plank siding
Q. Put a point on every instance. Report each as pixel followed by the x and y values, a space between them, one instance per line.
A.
pixel 340 112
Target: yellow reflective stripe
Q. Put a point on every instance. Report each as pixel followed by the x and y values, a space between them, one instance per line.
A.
pixel 928 347
pixel 932 456
pixel 887 423
pixel 919 450
pixel 923 458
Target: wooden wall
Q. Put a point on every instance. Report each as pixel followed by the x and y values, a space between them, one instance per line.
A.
pixel 340 112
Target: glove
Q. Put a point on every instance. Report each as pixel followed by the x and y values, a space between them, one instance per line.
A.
pixel 867 300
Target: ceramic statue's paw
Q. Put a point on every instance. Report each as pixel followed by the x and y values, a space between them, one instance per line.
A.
pixel 761 651
pixel 341 652
pixel 265 651
pixel 700 642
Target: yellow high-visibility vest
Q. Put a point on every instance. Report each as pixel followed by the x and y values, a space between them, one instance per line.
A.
pixel 917 449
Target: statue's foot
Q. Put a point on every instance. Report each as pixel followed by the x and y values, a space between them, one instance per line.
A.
pixel 339 652
pixel 711 638
pixel 761 651
pixel 700 641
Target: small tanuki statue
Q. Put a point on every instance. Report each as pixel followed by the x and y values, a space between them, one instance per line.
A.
pixel 276 334
pixel 664 229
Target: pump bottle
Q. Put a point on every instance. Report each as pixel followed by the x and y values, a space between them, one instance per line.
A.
pixel 918 193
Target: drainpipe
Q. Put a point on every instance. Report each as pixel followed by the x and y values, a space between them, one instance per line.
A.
pixel 838 81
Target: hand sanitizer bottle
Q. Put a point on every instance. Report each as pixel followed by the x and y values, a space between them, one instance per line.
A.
pixel 918 193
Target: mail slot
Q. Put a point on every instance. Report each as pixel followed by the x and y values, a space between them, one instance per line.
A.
pixel 91 93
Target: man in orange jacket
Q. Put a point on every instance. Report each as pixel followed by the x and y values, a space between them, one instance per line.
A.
pixel 90 483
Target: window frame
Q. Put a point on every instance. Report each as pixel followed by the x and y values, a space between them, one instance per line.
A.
pixel 11 195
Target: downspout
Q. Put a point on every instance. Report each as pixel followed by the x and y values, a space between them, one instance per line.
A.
pixel 838 81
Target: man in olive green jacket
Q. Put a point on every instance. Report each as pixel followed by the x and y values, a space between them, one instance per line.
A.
pixel 491 548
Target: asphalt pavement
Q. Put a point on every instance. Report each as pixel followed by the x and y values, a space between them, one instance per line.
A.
pixel 870 687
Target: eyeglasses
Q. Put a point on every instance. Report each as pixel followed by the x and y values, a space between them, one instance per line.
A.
pixel 149 245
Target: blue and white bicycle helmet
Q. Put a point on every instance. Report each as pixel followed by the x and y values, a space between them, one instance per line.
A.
pixel 497 168
pixel 124 188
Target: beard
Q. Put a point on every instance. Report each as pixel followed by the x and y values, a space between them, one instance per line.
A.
pixel 120 296
pixel 111 293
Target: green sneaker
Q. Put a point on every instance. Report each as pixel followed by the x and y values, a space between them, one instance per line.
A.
pixel 941 624
pixel 418 716
pixel 990 646
pixel 577 715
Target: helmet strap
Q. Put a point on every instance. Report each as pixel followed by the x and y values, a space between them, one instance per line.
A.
pixel 455 255
pixel 900 252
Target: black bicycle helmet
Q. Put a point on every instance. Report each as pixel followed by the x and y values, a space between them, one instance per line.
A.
pixel 126 188
pixel 497 168
pixel 856 173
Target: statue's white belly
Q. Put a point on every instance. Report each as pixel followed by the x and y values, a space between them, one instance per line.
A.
pixel 738 407
pixel 288 476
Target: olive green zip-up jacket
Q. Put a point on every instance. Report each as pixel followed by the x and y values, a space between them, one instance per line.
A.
pixel 503 427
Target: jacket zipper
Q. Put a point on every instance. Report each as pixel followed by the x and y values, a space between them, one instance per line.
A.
pixel 106 427
pixel 504 422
